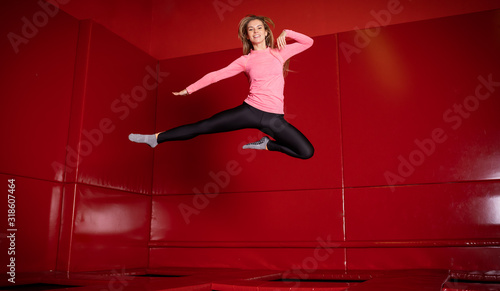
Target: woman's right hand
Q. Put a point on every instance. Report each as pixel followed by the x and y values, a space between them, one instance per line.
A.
pixel 181 93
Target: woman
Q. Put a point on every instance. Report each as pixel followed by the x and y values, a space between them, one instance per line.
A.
pixel 265 67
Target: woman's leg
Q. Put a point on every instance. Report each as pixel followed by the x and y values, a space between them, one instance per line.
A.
pixel 232 119
pixel 288 139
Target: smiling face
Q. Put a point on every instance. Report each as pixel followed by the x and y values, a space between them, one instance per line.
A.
pixel 256 33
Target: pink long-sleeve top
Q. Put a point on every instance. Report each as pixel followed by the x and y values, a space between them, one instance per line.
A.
pixel 264 69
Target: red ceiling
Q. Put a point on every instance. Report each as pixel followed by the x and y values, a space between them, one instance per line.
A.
pixel 174 28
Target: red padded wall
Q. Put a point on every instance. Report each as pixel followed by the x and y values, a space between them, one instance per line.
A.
pixel 416 106
pixel 129 19
pixel 33 242
pixel 273 217
pixel 419 114
pixel 114 95
pixel 103 229
pixel 37 81
pixel 74 91
pixel 106 217
pixel 250 258
pixel 268 229
pixel 405 175
pixel 425 212
pixel 235 209
pixel 466 258
pixel 396 91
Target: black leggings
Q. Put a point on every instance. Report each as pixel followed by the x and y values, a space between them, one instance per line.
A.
pixel 288 139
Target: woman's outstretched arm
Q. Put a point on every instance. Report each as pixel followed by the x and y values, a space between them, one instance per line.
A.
pixel 231 70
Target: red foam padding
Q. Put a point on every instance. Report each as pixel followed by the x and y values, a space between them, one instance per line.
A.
pixel 420 100
pixel 249 258
pixel 115 95
pixel 37 82
pixel 103 229
pixel 456 258
pixel 32 240
pixel 424 212
pixel 311 104
pixel 470 286
pixel 272 217
pixel 412 280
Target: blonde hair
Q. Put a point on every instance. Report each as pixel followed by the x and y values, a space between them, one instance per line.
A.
pixel 247 44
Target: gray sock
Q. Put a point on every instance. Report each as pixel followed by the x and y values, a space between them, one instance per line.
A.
pixel 150 139
pixel 258 145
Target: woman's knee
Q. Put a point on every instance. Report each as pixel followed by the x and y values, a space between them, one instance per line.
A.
pixel 307 153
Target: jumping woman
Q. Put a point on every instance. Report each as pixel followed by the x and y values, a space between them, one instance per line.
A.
pixel 265 65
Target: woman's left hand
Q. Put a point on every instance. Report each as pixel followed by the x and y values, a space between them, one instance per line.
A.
pixel 281 40
pixel 181 93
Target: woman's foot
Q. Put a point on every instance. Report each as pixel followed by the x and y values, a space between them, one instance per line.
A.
pixel 258 145
pixel 150 139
